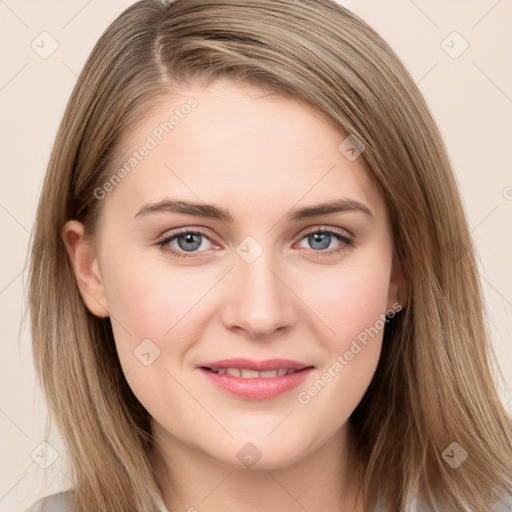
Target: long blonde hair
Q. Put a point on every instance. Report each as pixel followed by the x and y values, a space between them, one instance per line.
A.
pixel 434 384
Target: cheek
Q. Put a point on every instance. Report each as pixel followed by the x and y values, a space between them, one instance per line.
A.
pixel 347 300
pixel 139 307
pixel 147 307
pixel 149 299
pixel 351 305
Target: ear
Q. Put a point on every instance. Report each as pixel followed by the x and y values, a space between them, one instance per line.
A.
pixel 398 285
pixel 84 261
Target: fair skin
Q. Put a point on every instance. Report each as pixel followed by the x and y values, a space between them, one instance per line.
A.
pixel 258 157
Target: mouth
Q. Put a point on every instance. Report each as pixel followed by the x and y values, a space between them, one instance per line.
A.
pixel 253 380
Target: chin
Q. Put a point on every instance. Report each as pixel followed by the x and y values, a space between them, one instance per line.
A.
pixel 260 455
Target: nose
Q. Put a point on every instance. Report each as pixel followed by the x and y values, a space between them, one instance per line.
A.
pixel 261 301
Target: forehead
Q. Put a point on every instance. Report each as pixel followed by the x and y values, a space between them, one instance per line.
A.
pixel 238 145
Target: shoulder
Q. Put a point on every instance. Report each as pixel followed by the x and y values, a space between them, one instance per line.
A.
pixel 504 505
pixel 63 502
pixel 60 502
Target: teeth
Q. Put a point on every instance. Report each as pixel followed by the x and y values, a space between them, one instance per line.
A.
pixel 252 374
pixel 272 373
pixel 249 374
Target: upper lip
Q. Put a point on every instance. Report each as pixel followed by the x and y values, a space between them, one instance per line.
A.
pixel 260 366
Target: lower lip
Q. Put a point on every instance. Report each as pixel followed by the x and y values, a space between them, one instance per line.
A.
pixel 258 388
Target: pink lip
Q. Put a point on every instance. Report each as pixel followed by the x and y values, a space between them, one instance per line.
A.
pixel 258 388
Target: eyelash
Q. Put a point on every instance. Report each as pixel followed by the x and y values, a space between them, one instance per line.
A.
pixel 347 242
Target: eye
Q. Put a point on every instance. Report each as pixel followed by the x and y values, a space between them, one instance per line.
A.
pixel 191 240
pixel 320 239
pixel 188 241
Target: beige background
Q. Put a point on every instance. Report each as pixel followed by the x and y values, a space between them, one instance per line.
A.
pixel 470 96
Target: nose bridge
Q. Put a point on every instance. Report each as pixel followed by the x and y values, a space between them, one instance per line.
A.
pixel 261 302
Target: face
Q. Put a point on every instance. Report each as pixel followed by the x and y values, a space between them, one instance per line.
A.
pixel 257 281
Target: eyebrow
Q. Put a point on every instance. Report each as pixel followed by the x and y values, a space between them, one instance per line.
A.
pixel 214 212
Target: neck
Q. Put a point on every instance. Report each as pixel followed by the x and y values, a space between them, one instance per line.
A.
pixel 192 480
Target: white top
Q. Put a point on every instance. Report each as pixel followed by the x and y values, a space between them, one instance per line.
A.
pixel 63 502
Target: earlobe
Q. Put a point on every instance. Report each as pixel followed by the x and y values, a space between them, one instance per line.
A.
pixel 397 285
pixel 84 261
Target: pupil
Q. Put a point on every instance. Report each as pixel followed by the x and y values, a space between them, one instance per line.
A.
pixel 190 238
pixel 321 238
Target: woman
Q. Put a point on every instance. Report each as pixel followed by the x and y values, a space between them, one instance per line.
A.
pixel 321 344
